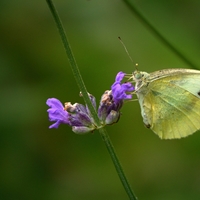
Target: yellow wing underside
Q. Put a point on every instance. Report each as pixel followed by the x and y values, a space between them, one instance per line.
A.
pixel 173 106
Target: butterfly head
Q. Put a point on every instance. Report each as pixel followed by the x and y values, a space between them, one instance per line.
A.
pixel 140 78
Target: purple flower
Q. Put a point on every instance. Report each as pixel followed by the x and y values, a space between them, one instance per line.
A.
pixel 119 89
pixel 79 117
pixel 112 100
pixel 75 115
pixel 57 113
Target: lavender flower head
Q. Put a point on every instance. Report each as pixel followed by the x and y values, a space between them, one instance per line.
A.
pixel 112 100
pixel 119 89
pixel 79 117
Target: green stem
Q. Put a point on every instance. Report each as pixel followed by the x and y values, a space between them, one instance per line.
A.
pixel 113 155
pixel 138 14
pixel 72 61
pixel 83 89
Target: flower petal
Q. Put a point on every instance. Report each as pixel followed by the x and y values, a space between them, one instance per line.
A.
pixel 57 113
pixel 119 89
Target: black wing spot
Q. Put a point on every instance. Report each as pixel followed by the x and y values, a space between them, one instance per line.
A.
pixel 147 125
pixel 198 93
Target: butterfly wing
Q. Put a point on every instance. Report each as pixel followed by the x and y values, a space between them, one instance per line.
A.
pixel 171 104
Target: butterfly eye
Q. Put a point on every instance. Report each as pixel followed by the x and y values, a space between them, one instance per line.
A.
pixel 138 75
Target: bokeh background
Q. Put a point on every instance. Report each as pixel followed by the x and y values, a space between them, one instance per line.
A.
pixel 39 163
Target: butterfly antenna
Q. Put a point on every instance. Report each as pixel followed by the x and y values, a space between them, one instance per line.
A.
pixel 136 64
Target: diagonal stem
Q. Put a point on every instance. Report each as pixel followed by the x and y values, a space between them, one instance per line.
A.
pixel 72 61
pixel 81 85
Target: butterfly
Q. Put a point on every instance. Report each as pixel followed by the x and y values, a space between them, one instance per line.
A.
pixel 169 101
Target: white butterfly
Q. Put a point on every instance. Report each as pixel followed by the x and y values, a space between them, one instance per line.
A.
pixel 169 101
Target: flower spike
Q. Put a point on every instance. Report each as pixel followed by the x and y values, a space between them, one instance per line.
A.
pixel 79 117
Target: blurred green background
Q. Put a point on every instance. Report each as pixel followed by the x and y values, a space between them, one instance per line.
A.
pixel 40 163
